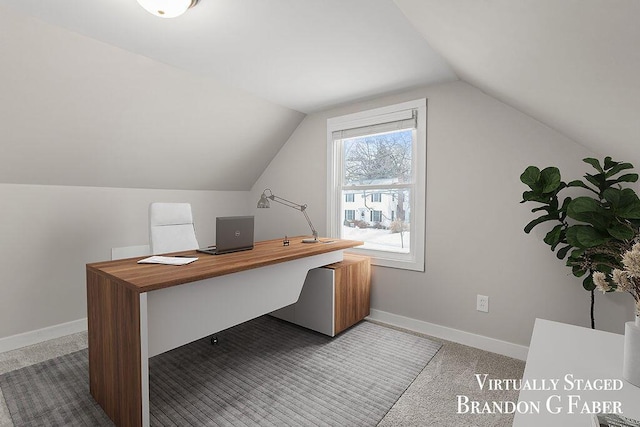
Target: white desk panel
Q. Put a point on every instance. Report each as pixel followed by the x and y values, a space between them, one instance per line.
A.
pixel 570 354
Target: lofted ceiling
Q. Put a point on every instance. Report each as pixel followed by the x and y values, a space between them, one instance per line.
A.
pixel 101 93
pixel 572 64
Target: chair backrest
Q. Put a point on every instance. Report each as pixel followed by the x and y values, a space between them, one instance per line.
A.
pixel 171 228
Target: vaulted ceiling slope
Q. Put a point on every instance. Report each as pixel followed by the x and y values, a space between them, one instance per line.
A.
pixel 75 111
pixel 572 64
pixel 102 93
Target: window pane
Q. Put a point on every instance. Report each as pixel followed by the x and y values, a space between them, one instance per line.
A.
pixel 387 227
pixel 378 159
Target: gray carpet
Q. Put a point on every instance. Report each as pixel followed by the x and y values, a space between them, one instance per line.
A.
pixel 263 372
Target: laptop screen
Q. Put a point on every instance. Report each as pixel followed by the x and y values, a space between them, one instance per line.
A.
pixel 234 233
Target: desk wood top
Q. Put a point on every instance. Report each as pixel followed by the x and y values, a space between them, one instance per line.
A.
pixel 149 277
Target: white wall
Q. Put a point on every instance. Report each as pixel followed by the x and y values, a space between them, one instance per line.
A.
pixel 477 147
pixel 49 233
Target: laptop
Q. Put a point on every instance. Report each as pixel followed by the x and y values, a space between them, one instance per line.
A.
pixel 233 234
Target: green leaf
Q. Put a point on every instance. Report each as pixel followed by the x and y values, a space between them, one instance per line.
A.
pixel 628 205
pixel 577 271
pixel 587 209
pixel 588 284
pixel 541 208
pixel 530 176
pixel 562 252
pixel 550 179
pixel 581 205
pixel 621 232
pixel 537 221
pixel 617 169
pixel 593 162
pixel 527 196
pixel 608 163
pixel 554 236
pixel 595 181
pixel 585 236
pixel 576 254
pixel 612 195
pixel 628 177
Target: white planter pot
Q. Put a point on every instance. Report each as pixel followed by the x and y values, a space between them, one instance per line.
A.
pixel 631 362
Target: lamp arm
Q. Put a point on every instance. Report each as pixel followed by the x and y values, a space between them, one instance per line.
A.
pixel 313 230
pixel 287 202
pixel 301 208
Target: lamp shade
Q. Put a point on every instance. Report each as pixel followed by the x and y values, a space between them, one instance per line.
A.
pixel 263 202
pixel 167 8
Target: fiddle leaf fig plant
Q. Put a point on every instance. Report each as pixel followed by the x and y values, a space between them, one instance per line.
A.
pixel 592 231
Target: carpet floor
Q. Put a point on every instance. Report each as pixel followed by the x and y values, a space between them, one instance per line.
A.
pixel 264 372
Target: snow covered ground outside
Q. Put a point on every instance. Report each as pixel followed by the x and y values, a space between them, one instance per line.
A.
pixel 378 238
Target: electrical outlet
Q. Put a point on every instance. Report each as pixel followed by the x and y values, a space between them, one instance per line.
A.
pixel 483 303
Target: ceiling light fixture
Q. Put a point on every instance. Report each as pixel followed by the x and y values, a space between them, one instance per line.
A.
pixel 167 8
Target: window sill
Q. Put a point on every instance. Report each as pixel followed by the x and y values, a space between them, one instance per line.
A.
pixel 390 259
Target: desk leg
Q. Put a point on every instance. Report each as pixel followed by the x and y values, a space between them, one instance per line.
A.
pixel 144 360
pixel 115 377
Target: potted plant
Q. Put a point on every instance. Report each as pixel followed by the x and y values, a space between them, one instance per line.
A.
pixel 592 231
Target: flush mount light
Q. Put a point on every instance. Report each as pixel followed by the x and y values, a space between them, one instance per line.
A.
pixel 167 8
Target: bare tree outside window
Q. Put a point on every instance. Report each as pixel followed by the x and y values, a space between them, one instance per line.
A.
pixel 378 157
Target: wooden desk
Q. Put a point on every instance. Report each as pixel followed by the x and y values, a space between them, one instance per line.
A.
pixel 136 311
pixel 558 350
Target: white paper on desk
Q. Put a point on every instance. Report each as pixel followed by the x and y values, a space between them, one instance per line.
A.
pixel 169 260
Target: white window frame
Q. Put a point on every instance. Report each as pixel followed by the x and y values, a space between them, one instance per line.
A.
pixel 414 260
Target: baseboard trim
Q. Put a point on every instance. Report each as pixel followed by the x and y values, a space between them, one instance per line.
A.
pixel 473 340
pixel 40 335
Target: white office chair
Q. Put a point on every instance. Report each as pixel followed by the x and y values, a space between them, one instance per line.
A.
pixel 171 228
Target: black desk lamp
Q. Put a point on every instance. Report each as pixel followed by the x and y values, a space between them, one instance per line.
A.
pixel 264 203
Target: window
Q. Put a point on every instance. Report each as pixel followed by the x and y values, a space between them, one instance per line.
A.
pixel 377 162
pixel 349 215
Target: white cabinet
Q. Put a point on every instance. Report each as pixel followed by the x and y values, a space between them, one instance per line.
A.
pixel 333 298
